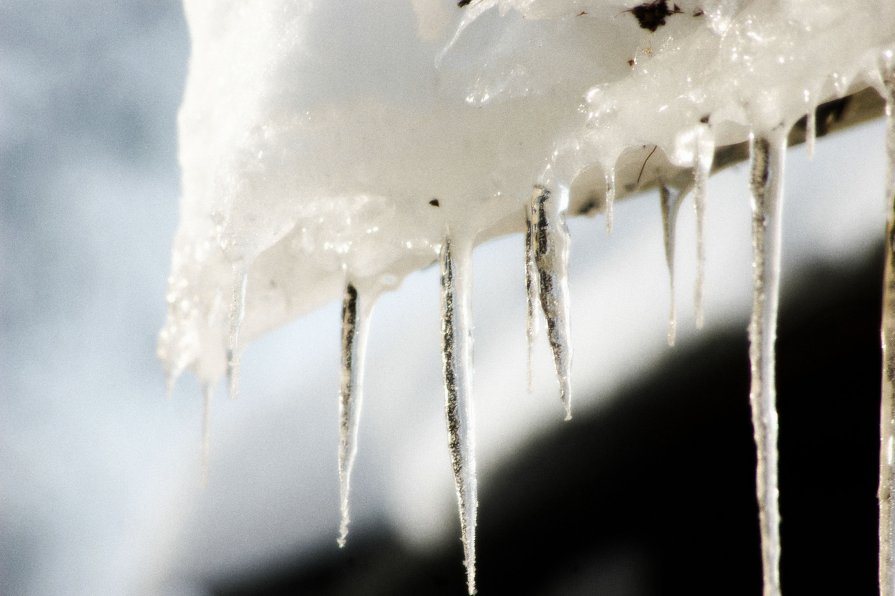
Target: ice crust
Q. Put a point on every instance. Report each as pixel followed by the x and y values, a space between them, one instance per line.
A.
pixel 313 136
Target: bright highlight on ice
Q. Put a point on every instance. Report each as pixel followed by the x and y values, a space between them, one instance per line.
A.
pixel 329 149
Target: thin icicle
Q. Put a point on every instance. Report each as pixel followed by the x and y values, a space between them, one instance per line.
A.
pixel 887 405
pixel 531 287
pixel 551 247
pixel 457 367
pixel 207 392
pixel 768 158
pixel 810 123
pixel 355 315
pixel 609 177
pixel 811 132
pixel 237 313
pixel 705 156
pixel 670 205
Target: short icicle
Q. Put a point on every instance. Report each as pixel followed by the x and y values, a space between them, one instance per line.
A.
pixel 810 124
pixel 531 287
pixel 705 156
pixel 205 455
pixel 609 177
pixel 457 368
pixel 768 158
pixel 811 132
pixel 237 314
pixel 551 247
pixel 670 204
pixel 887 404
pixel 355 316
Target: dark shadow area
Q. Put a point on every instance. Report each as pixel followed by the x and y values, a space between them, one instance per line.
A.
pixel 654 493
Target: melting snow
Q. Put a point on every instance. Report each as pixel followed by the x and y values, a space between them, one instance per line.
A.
pixel 329 149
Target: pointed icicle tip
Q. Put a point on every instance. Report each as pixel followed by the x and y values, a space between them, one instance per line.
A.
pixel 705 157
pixel 531 289
pixel 768 158
pixel 457 370
pixel 354 338
pixel 551 249
pixel 670 205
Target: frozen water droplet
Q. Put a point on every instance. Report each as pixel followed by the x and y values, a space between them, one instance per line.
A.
pixel 457 368
pixel 705 156
pixel 670 206
pixel 768 158
pixel 237 313
pixel 355 316
pixel 551 248
pixel 609 177
pixel 531 287
pixel 887 408
pixel 207 392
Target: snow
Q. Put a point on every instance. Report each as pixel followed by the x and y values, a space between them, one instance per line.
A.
pixel 100 472
pixel 308 159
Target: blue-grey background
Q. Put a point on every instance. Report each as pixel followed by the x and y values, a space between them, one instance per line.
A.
pixel 99 482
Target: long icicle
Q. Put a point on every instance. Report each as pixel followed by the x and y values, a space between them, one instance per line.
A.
pixel 887 404
pixel 670 205
pixel 237 314
pixel 551 242
pixel 768 158
pixel 705 156
pixel 355 316
pixel 457 368
pixel 531 287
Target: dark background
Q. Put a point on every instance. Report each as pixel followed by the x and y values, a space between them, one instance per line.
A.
pixel 655 494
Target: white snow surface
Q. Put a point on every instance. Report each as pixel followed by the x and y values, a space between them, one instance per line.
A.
pixel 313 135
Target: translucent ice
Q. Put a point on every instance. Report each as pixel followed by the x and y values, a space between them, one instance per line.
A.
pixel 887 408
pixel 768 153
pixel 314 137
pixel 457 367
pixel 670 204
pixel 551 250
pixel 355 313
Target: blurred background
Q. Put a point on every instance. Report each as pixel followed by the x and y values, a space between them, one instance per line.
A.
pixel 648 490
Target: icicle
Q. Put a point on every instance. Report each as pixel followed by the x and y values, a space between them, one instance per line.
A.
pixel 811 132
pixel 457 367
pixel 237 313
pixel 207 392
pixel 768 157
pixel 355 315
pixel 609 177
pixel 670 206
pixel 810 124
pixel 887 407
pixel 531 287
pixel 705 156
pixel 551 247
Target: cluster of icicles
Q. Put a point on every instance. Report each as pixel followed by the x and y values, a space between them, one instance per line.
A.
pixel 547 244
pixel 546 255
